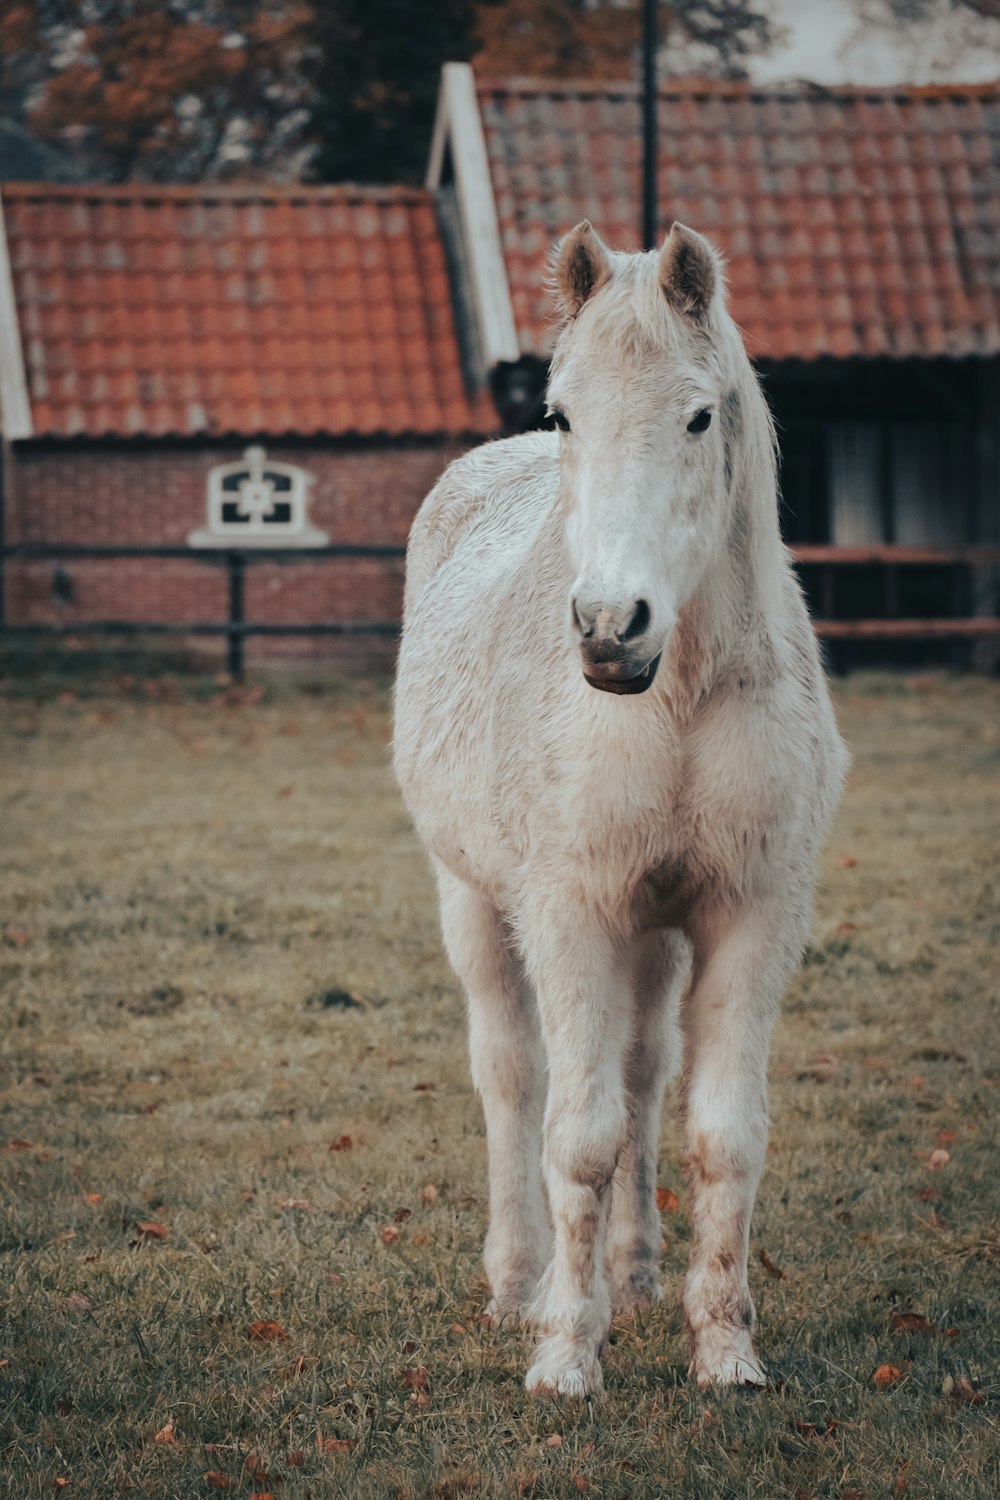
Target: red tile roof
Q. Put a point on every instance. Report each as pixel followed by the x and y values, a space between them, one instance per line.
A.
pixel 191 311
pixel 855 222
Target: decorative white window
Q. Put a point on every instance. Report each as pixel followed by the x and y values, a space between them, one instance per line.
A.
pixel 258 503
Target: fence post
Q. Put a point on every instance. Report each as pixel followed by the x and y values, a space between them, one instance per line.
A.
pixel 236 566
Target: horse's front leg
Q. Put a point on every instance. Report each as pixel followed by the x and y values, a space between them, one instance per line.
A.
pixel 584 1003
pixel 743 960
pixel 659 967
pixel 507 1069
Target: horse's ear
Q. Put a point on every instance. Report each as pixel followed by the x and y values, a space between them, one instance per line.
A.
pixel 689 271
pixel 582 264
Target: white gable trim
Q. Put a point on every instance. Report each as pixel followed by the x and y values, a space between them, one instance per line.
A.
pixel 458 126
pixel 15 409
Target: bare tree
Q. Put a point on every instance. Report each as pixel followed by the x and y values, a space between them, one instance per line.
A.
pixel 930 39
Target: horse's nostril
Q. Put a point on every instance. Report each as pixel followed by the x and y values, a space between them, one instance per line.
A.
pixel 584 626
pixel 639 623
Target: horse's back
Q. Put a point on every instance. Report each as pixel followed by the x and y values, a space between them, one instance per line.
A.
pixel 495 496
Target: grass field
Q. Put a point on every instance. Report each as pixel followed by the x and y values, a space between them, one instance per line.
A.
pixel 242 1175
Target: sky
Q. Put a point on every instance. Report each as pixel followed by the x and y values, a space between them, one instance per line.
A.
pixel 829 44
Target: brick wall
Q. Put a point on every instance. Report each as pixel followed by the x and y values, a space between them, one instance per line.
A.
pixel 155 494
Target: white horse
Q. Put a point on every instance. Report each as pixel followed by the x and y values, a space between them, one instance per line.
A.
pixel 593 847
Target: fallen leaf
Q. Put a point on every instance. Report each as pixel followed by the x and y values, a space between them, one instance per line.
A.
pixel 93 1199
pixel 580 1483
pixel 964 1391
pixel 770 1267
pixel 419 1239
pixel 417 1379
pixel 17 1146
pixel 845 861
pixel 297 1367
pixel 334 1445
pixel 424 1088
pixel 420 1398
pixel 818 1430
pixel 459 1330
pixel 430 1193
pixel 667 1200
pixel 295 1459
pixel 342 1143
pixel 61 1483
pixel 911 1322
pixel 217 1479
pixel 946 1137
pixel 938 1158
pixel 887 1375
pixel 166 1434
pixel 390 1234
pixel 266 1332
pixel 555 1441
pixel 152 1229
pixel 402 1214
pixel 820 1069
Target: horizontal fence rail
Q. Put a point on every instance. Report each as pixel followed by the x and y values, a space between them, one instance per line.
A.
pixel 236 628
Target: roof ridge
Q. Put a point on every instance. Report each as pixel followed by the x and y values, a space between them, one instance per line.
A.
pixel 343 192
pixel 735 88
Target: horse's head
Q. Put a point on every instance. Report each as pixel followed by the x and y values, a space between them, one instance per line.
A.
pixel 643 390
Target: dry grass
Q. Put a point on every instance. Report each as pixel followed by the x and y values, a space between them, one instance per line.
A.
pixel 190 888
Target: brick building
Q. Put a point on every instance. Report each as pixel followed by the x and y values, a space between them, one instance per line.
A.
pixel 149 335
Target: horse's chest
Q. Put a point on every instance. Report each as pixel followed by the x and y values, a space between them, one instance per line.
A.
pixel 618 813
pixel 677 822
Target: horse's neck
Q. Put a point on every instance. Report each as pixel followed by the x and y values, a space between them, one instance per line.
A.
pixel 733 626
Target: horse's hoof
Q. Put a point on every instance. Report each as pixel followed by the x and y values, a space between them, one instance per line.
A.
pixel 734 1370
pixel 562 1368
pixel 632 1290
pixel 510 1310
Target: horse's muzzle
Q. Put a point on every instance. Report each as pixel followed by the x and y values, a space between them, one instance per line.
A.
pixel 609 678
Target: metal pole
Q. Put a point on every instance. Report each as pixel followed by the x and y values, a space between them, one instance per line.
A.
pixel 649 215
pixel 6 460
pixel 236 615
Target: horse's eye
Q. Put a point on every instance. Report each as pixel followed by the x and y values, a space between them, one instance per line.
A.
pixel 559 419
pixel 700 422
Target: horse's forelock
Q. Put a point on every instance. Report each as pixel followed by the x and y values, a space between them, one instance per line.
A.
pixel 631 315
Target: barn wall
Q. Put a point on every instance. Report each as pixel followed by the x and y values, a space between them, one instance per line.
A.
pixel 155 495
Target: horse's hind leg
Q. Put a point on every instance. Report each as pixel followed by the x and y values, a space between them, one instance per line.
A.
pixel 506 1056
pixel 632 1256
